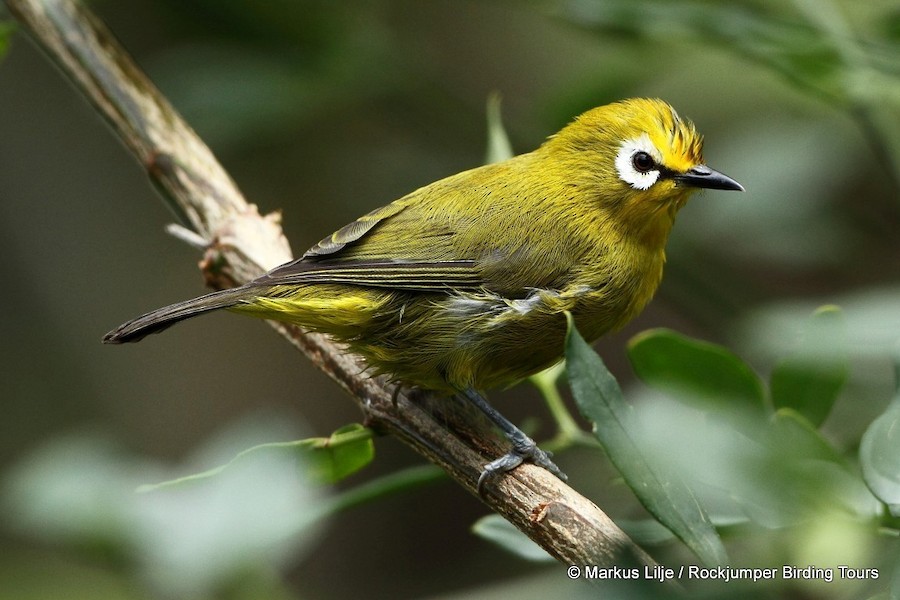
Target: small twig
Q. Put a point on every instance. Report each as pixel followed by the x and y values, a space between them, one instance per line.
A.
pixel 242 244
pixel 188 236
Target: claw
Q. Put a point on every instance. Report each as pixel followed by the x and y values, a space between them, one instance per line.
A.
pixel 505 463
pixel 524 449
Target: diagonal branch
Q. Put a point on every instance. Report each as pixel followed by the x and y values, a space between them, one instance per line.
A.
pixel 241 244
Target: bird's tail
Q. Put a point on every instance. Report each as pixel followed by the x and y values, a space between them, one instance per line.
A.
pixel 162 318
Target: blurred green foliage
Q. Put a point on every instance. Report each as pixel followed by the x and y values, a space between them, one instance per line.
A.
pixel 6 30
pixel 327 111
pixel 663 493
pixel 193 540
pixel 879 452
pixel 746 457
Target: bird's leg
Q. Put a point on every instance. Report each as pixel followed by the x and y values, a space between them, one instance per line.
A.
pixel 396 394
pixel 523 447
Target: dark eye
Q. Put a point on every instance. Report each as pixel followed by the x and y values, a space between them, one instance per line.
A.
pixel 642 162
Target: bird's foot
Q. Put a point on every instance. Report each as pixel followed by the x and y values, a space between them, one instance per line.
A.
pixel 524 449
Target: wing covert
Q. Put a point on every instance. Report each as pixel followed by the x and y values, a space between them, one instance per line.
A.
pixel 352 232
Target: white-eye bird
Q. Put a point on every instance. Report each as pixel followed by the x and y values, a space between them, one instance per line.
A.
pixel 463 285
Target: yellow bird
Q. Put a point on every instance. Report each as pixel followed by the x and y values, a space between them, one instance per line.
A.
pixel 462 285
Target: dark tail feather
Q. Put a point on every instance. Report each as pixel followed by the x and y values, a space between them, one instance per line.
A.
pixel 162 318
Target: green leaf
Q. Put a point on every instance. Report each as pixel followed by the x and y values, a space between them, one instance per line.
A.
pixel 839 488
pixel 348 450
pixel 699 373
pixel 498 146
pixel 812 466
pixel 796 475
pixel 325 460
pixel 498 530
pixel 809 381
pixel 879 455
pixel 879 450
pixel 793 435
pixel 658 488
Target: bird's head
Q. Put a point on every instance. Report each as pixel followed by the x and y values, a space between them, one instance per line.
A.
pixel 641 160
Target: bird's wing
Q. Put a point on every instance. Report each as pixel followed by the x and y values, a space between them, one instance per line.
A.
pixel 350 256
pixel 398 275
pixel 452 234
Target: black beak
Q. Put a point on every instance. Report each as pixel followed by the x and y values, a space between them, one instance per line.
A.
pixel 702 176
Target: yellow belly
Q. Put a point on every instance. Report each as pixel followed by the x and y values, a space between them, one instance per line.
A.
pixel 460 340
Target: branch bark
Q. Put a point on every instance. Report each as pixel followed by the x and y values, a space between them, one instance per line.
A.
pixel 242 244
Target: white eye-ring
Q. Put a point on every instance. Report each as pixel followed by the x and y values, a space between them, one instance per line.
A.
pixel 638 162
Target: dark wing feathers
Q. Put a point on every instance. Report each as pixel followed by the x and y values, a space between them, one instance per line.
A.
pixel 411 276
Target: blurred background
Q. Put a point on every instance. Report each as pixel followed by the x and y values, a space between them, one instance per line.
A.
pixel 324 111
